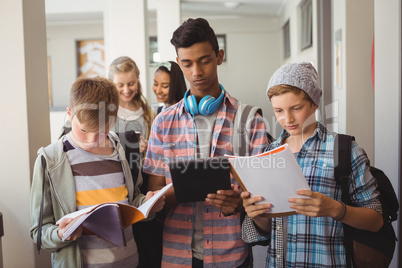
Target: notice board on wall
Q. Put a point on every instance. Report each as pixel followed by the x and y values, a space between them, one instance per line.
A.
pixel 91 58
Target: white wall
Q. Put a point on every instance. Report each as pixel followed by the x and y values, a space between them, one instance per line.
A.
pixel 355 96
pixel 24 108
pixel 252 57
pixel 291 12
pixel 62 50
pixel 339 92
pixel 388 71
pixel 359 87
pixel 72 6
pixel 125 26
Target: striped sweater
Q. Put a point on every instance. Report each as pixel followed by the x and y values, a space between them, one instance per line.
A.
pixel 100 178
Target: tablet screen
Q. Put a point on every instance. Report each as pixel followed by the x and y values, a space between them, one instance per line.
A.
pixel 194 179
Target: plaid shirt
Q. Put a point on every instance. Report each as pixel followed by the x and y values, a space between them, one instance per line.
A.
pixel 317 241
pixel 172 138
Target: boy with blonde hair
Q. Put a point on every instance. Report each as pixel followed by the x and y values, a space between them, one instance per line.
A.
pixel 84 168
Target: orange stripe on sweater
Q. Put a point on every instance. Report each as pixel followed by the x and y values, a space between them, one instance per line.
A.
pixel 94 197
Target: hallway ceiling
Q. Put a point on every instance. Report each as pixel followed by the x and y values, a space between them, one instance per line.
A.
pixel 223 8
pixel 63 11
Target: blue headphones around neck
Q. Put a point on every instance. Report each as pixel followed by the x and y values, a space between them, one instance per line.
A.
pixel 207 105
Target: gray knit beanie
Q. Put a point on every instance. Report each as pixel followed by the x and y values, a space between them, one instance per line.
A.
pixel 301 75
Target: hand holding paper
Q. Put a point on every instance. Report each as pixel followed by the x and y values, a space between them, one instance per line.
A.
pixel 158 206
pixel 63 227
pixel 252 209
pixel 255 210
pixel 273 175
pixel 316 205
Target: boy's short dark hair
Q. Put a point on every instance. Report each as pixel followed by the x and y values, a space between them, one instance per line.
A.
pixel 94 101
pixel 282 89
pixel 194 31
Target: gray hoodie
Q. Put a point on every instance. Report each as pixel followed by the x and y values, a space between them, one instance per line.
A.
pixel 60 199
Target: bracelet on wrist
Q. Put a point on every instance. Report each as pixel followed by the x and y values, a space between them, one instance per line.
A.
pixel 229 214
pixel 342 214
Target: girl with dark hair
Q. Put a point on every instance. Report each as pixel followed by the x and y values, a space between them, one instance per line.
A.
pixel 169 86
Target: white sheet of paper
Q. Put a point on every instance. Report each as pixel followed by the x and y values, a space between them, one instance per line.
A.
pixel 146 207
pixel 275 177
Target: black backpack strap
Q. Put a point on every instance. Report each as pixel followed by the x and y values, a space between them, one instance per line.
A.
pixel 343 169
pixel 342 163
pixel 39 236
pixel 130 141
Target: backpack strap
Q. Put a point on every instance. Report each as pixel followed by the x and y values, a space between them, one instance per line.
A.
pixel 343 169
pixel 39 235
pixel 65 129
pixel 241 124
pixel 243 130
pixel 130 141
pixel 342 163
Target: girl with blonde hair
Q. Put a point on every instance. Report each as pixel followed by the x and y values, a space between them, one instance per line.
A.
pixel 134 112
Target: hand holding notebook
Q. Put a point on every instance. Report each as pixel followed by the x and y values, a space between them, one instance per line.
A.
pixel 110 218
pixel 274 175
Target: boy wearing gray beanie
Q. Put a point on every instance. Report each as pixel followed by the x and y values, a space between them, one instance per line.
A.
pixel 314 236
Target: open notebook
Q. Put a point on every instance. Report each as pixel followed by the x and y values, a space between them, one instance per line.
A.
pixel 108 219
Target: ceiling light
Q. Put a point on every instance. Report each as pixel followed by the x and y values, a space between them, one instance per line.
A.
pixel 231 5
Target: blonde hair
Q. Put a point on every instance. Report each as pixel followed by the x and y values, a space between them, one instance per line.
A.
pixel 125 64
pixel 94 101
pixel 282 89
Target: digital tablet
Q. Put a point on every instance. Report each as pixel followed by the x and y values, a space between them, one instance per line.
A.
pixel 194 179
